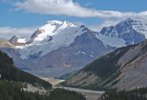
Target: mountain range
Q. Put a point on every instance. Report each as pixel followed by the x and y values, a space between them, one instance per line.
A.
pixel 59 47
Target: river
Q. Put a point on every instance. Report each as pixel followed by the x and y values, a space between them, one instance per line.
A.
pixel 89 94
pixel 79 90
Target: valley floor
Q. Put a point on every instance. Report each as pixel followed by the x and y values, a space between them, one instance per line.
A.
pixel 89 94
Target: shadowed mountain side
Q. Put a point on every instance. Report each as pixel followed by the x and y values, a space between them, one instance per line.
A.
pixel 125 68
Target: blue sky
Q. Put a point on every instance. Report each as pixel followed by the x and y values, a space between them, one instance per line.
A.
pixel 17 15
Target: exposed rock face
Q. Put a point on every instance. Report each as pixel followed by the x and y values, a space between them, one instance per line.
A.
pixel 134 73
pixel 83 79
pixel 14 41
pixel 33 89
pixel 127 70
pixel 34 35
pixel 5 44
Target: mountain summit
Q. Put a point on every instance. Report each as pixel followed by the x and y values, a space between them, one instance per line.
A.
pixel 51 28
pixel 130 30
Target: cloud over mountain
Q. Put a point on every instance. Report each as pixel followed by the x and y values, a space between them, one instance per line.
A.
pixel 21 32
pixel 70 8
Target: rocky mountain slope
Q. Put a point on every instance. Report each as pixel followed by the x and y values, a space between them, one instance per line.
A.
pixel 59 47
pixel 6 44
pixel 124 68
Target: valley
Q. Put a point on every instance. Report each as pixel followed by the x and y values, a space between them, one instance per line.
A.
pixel 73 50
pixel 89 94
pixel 88 62
pixel 19 85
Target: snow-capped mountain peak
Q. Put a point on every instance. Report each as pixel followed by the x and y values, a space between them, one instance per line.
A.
pixel 126 21
pixel 57 34
pixel 136 24
pixel 51 28
pixel 54 22
pixel 126 32
pixel 69 24
pixel 51 36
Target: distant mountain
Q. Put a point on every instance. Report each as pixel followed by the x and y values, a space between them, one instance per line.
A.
pixel 59 47
pixel 131 31
pixel 124 68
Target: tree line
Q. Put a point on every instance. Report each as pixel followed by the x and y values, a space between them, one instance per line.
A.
pixel 12 79
pixel 14 91
pixel 135 94
pixel 9 72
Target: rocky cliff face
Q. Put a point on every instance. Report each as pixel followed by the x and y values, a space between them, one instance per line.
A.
pixel 125 68
pixel 17 42
pixel 133 73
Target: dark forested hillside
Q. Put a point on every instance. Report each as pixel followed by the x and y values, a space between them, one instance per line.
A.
pixel 62 94
pixel 9 72
pixel 13 91
pixel 136 94
pixel 12 79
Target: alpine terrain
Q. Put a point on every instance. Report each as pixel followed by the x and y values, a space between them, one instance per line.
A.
pixel 60 47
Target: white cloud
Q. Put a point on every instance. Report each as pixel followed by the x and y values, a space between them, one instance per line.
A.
pixel 110 22
pixel 78 23
pixel 7 32
pixel 106 23
pixel 70 8
pixel 89 3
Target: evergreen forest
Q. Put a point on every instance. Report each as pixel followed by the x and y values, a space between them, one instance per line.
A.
pixel 12 79
pixel 135 94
